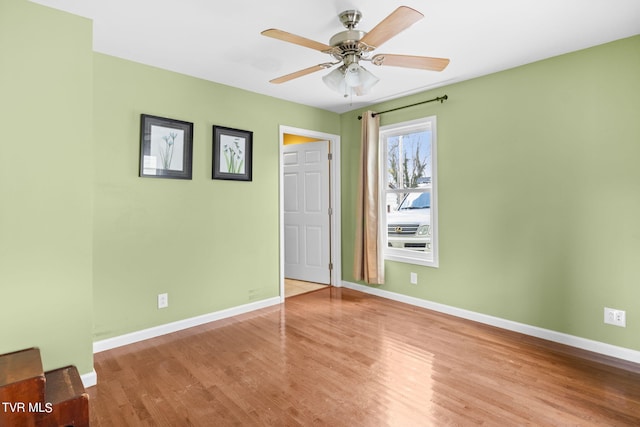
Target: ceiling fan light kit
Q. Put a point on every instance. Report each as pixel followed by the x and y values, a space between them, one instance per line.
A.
pixel 352 46
pixel 350 80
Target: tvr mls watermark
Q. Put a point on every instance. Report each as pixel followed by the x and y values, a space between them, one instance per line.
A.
pixel 31 407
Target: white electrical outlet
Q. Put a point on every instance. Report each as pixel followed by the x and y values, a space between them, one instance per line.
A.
pixel 615 317
pixel 414 278
pixel 163 300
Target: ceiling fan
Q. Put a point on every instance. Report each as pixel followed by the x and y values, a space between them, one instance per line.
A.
pixel 352 46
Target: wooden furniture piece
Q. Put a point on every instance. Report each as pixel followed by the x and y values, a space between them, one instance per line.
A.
pixel 31 397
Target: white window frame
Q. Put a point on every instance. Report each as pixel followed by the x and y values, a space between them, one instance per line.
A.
pixel 406 255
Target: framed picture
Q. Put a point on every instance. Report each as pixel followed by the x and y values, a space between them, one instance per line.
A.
pixel 166 147
pixel 232 154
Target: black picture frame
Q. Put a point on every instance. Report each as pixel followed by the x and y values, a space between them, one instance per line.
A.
pixel 166 147
pixel 232 154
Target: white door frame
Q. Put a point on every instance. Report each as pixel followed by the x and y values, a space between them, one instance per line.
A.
pixel 334 196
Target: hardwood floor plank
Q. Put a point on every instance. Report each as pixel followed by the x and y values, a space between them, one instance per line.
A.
pixel 294 287
pixel 337 357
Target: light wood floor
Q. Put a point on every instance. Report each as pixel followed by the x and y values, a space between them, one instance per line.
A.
pixel 337 357
pixel 294 287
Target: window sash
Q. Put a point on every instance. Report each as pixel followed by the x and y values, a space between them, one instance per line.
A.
pixel 403 254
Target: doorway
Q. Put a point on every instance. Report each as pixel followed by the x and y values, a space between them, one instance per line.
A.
pixel 309 208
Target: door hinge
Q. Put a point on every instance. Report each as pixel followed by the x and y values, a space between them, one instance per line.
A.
pixel 330 211
pixel 330 155
pixel 330 266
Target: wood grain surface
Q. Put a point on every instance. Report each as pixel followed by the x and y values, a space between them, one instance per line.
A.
pixel 338 357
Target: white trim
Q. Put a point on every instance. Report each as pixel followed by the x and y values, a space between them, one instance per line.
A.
pixel 156 331
pixel 547 334
pixel 334 172
pixel 89 379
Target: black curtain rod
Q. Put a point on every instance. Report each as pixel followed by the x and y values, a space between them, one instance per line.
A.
pixel 440 98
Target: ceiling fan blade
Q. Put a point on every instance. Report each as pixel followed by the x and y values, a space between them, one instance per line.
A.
pixel 408 61
pixel 300 73
pixel 292 38
pixel 398 21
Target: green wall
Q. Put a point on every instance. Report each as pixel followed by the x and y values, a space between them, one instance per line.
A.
pixel 46 184
pixel 538 183
pixel 209 244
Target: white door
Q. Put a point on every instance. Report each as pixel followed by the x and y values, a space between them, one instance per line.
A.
pixel 306 212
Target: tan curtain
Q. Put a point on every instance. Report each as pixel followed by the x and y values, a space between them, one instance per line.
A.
pixel 368 261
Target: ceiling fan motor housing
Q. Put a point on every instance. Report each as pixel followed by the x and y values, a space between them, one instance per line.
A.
pixel 349 37
pixel 346 45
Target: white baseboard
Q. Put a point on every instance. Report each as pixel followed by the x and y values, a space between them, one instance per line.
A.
pixel 89 379
pixel 168 328
pixel 547 334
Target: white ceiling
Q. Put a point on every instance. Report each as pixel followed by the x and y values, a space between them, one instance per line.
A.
pixel 220 40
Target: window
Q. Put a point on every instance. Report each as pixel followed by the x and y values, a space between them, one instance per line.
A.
pixel 409 203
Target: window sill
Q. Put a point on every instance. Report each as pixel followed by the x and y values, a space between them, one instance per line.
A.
pixel 411 260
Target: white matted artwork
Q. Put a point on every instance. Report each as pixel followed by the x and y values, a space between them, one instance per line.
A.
pixel 165 147
pixel 232 154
